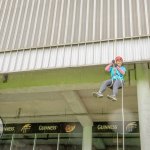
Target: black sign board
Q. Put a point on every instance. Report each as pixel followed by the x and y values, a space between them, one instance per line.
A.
pixel 71 127
pixel 25 128
pixel 116 127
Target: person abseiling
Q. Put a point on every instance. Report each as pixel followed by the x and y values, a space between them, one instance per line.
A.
pixel 117 72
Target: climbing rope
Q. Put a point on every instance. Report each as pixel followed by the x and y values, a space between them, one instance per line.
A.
pixel 122 108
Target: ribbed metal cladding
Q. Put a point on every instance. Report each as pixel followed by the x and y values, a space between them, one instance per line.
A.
pixel 100 53
pixel 41 23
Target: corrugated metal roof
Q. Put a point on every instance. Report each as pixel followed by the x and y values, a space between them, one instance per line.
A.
pixel 75 55
pixel 41 23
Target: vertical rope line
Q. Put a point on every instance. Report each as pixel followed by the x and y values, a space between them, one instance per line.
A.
pixel 123 115
pixel 58 141
pixel 122 108
pixel 11 145
pixel 117 142
pixel 35 138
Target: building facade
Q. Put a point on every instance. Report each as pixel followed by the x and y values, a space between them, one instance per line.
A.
pixel 52 57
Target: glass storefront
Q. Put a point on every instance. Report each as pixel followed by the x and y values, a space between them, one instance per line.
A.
pixel 105 141
pixel 109 141
pixel 43 141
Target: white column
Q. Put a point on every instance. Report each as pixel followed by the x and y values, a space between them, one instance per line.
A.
pixel 143 94
pixel 87 138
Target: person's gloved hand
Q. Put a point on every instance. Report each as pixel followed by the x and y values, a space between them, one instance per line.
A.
pixel 115 65
pixel 113 61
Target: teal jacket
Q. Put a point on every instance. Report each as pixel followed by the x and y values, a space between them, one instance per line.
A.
pixel 115 74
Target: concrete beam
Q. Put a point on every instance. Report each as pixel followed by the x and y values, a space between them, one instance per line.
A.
pixel 54 88
pixel 77 106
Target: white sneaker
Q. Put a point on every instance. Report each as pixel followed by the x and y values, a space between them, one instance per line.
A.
pixel 112 97
pixel 97 94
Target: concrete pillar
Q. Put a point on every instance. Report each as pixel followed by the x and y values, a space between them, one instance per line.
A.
pixel 143 94
pixel 77 106
pixel 87 138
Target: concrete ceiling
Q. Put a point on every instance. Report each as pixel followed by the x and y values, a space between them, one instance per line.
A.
pixel 66 104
